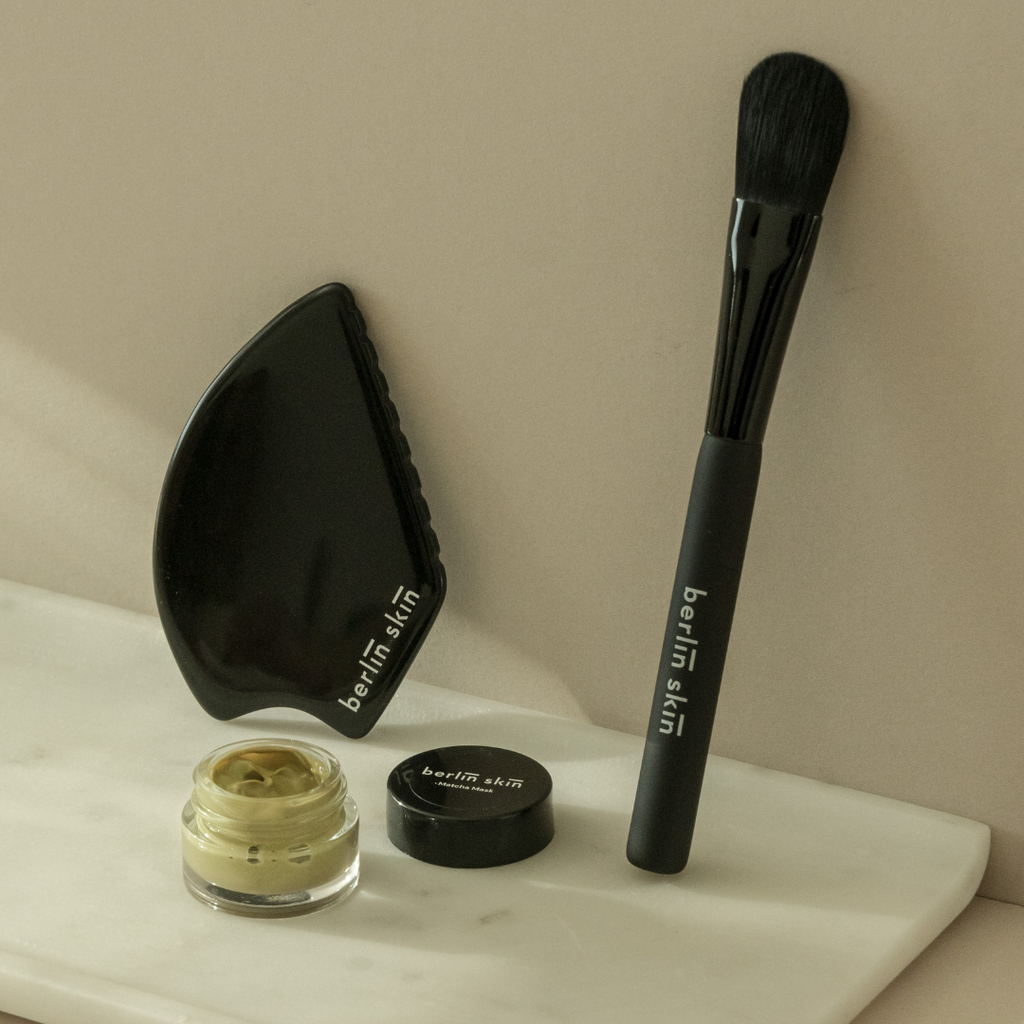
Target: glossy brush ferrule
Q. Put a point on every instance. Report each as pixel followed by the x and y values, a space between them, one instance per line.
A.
pixel 766 263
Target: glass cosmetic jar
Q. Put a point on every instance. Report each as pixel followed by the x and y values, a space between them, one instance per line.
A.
pixel 270 830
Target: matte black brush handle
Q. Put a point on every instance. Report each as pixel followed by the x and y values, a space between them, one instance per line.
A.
pixel 693 655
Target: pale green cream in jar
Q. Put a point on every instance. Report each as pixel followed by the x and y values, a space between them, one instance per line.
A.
pixel 270 830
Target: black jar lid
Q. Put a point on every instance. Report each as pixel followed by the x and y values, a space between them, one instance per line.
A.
pixel 470 807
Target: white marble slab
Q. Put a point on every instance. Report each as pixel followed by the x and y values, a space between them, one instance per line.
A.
pixel 801 902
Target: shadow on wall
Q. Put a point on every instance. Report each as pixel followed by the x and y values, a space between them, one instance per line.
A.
pixel 460 655
pixel 81 477
pixel 881 598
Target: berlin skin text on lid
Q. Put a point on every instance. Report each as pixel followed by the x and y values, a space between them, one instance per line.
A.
pixel 470 806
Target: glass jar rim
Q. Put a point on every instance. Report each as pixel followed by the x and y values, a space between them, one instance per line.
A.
pixel 331 784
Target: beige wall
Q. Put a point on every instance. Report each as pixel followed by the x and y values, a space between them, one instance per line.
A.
pixel 529 200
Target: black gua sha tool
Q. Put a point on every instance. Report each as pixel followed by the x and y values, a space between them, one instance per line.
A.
pixel 294 560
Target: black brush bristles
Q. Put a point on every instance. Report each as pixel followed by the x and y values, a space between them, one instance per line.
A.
pixel 793 116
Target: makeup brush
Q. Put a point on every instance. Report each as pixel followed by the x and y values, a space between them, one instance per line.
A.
pixel 792 123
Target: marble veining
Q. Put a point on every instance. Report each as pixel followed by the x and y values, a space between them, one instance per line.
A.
pixel 801 902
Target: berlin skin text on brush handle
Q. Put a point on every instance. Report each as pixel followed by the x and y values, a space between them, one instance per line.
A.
pixel 768 256
pixel 693 655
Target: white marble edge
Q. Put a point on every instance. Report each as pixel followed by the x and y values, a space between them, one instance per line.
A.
pixel 51 994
